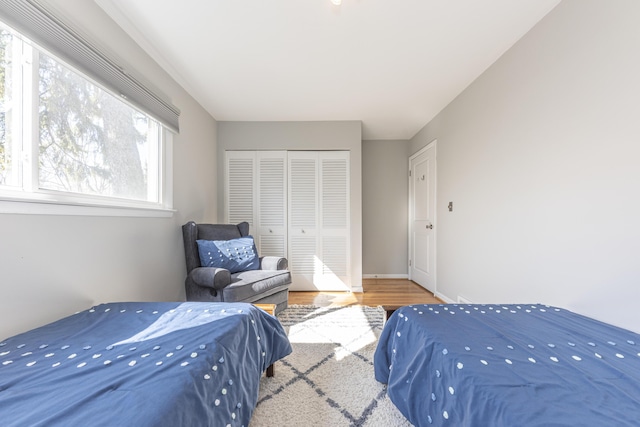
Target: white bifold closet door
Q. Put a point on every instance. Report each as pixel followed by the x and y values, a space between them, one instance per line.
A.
pixel 297 206
pixel 318 220
pixel 256 192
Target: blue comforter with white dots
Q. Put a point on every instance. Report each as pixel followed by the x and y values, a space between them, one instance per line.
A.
pixel 508 365
pixel 140 364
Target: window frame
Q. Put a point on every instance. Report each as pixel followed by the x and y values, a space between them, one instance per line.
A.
pixel 17 201
pixel 28 198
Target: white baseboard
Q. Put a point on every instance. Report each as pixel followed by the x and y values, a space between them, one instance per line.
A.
pixel 444 298
pixel 357 289
pixel 385 276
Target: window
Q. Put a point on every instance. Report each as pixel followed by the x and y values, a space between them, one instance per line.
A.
pixel 65 139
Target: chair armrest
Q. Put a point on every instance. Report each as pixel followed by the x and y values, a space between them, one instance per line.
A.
pixel 210 277
pixel 273 263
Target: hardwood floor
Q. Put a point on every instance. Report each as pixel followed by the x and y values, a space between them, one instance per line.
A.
pixel 384 292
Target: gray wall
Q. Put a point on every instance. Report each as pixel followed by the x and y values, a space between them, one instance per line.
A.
pixel 343 135
pixel 56 265
pixel 385 165
pixel 540 157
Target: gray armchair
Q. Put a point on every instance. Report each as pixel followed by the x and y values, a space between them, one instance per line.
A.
pixel 267 285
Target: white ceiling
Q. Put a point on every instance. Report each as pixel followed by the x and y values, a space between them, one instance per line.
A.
pixel 393 64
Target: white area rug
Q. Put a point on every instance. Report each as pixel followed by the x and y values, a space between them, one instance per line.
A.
pixel 328 380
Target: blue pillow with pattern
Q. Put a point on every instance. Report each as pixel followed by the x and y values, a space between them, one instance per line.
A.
pixel 234 255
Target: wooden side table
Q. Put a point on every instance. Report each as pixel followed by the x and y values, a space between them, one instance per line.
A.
pixel 269 308
pixel 389 309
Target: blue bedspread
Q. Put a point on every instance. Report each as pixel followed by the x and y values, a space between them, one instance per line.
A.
pixel 508 365
pixel 140 364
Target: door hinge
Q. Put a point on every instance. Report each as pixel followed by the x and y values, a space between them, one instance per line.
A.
pixel 409 172
pixel 409 263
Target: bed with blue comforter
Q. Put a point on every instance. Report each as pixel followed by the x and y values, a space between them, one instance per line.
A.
pixel 508 365
pixel 140 364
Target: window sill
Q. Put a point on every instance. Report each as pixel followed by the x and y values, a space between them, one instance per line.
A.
pixel 39 207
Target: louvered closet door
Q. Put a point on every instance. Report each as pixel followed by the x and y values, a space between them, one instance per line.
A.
pixel 239 187
pixel 256 192
pixel 303 206
pixel 271 230
pixel 319 220
pixel 334 225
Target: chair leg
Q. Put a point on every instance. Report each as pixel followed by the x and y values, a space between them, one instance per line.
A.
pixel 270 371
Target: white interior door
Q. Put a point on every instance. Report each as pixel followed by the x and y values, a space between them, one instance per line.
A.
pixel 422 221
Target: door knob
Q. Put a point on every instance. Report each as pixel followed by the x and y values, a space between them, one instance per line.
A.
pixel 430 226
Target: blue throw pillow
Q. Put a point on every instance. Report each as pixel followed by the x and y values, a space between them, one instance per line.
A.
pixel 234 255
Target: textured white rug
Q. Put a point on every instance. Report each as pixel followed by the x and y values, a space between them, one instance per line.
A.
pixel 328 380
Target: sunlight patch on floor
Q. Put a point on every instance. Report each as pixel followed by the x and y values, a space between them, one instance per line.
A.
pixel 351 332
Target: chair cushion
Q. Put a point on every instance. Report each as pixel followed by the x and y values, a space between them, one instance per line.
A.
pixel 234 255
pixel 249 286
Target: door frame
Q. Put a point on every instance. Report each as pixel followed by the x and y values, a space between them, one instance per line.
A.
pixel 434 144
